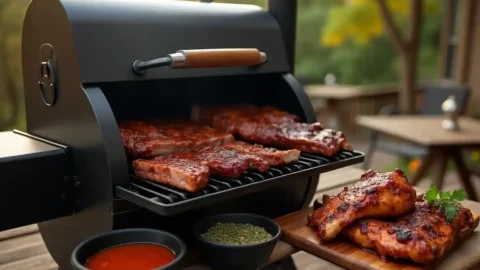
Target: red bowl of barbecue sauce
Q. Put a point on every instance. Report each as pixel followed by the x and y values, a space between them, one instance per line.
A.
pixel 139 249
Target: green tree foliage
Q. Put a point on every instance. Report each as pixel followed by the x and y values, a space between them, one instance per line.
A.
pixel 351 63
pixel 11 84
pixel 355 30
pixel 365 54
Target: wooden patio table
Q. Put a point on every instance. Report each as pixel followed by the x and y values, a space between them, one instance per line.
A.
pixel 335 95
pixel 442 145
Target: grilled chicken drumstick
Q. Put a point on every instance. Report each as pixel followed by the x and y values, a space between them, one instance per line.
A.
pixel 375 195
pixel 421 236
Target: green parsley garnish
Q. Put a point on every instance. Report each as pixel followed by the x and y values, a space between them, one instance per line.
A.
pixel 449 201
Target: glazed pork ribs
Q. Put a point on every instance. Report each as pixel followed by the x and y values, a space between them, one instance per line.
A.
pixel 421 236
pixel 375 195
pixel 180 173
pixel 190 170
pixel 150 138
pixel 184 153
pixel 224 162
pixel 270 126
pixel 273 156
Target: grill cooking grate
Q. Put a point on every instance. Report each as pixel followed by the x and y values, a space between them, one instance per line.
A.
pixel 167 200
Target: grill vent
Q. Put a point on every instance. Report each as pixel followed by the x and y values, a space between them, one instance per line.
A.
pixel 167 200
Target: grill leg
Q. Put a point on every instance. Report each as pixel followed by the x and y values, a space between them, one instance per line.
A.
pixel 285 264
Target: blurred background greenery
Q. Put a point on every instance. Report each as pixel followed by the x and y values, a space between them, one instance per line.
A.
pixel 344 38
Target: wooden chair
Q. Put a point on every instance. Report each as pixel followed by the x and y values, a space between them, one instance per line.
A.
pixel 433 98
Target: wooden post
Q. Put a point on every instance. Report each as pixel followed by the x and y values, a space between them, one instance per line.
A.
pixel 464 51
pixel 446 32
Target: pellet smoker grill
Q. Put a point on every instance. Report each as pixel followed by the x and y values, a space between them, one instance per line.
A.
pixel 87 64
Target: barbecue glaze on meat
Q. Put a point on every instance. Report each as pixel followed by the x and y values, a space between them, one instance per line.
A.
pixel 190 170
pixel 375 195
pixel 224 162
pixel 310 138
pixel 151 138
pixel 181 173
pixel 273 156
pixel 421 236
pixel 227 117
pixel 270 126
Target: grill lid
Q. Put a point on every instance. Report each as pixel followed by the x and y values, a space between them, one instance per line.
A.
pixel 110 35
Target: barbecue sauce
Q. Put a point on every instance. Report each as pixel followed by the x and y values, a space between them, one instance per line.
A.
pixel 131 256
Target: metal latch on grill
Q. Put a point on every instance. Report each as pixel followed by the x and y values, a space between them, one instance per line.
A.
pixel 48 83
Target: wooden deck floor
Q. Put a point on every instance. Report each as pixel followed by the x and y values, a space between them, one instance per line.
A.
pixel 23 248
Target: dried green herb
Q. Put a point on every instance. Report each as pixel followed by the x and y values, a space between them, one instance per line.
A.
pixel 236 234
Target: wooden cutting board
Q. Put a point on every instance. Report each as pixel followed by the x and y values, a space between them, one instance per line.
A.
pixel 465 255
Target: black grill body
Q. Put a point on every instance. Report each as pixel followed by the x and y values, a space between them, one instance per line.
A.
pixel 78 79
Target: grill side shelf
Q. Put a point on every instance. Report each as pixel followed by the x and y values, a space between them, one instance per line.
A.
pixel 166 200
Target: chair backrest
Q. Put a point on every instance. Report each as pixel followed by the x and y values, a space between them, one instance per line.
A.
pixel 434 96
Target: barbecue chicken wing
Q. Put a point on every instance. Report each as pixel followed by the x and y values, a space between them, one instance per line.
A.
pixel 376 194
pixel 421 236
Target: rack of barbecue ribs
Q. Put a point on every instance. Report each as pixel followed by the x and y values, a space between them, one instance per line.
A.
pixel 273 156
pixel 270 126
pixel 180 173
pixel 183 154
pixel 381 212
pixel 165 150
pixel 152 138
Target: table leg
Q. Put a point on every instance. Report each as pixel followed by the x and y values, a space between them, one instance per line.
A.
pixel 463 173
pixel 334 114
pixel 422 170
pixel 439 167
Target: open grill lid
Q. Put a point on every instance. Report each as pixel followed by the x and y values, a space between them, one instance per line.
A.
pixel 107 36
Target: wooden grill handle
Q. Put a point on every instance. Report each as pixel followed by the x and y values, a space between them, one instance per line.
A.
pixel 204 58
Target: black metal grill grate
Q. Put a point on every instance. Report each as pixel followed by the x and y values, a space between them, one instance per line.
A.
pixel 168 200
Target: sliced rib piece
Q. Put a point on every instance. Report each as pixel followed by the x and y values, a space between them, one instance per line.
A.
pixel 181 173
pixel 310 138
pixel 273 156
pixel 226 118
pixel 375 195
pixel 153 137
pixel 421 236
pixel 224 162
pixel 270 126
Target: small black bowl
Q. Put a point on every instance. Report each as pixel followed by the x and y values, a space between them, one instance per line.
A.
pixel 241 257
pixel 92 246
